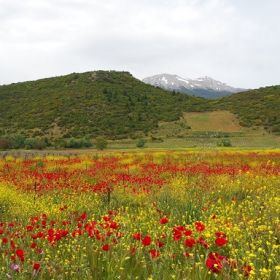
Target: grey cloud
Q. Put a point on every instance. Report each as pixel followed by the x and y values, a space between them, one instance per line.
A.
pixel 232 40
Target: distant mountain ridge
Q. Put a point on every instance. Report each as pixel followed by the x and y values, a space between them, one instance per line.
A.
pixel 205 87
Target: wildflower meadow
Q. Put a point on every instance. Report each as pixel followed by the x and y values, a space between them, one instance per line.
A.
pixel 186 214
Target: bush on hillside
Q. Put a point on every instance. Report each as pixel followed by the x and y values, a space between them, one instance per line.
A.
pixel 141 143
pixel 224 143
pixel 35 143
pixel 77 143
pixel 100 143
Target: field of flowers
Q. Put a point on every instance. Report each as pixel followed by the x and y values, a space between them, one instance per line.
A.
pixel 141 215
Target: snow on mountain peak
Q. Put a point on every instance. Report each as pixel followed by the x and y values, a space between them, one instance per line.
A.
pixel 201 86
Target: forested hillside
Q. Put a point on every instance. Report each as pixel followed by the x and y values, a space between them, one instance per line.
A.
pixel 102 103
pixel 260 107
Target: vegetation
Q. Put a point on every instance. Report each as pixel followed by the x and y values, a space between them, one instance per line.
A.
pixel 77 143
pixel 259 108
pixel 215 121
pixel 141 215
pixel 140 143
pixel 224 143
pixel 100 143
pixel 39 143
pixel 109 104
pixel 71 111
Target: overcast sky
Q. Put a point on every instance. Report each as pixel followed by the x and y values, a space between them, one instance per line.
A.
pixel 235 41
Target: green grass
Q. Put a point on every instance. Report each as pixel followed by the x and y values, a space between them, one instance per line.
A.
pixel 223 121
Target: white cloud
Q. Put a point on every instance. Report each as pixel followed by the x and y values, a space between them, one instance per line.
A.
pixel 234 41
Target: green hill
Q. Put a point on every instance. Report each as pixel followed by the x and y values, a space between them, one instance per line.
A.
pixel 255 108
pixel 102 103
pixel 115 105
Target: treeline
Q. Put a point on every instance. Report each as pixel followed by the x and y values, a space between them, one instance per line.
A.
pixel 40 143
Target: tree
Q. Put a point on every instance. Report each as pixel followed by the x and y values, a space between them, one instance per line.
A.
pixel 100 143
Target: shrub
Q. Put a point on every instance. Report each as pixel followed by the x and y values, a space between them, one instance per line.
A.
pixel 141 143
pixel 76 143
pixel 156 139
pixel 224 143
pixel 100 143
pixel 35 143
pixel 17 141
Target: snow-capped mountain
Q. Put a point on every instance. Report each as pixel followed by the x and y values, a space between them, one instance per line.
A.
pixel 203 86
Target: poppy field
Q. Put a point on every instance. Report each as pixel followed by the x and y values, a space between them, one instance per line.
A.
pixel 141 215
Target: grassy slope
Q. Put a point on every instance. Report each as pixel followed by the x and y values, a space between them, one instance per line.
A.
pixel 213 121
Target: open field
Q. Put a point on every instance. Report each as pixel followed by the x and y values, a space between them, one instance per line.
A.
pixel 189 214
pixel 213 121
pixel 206 129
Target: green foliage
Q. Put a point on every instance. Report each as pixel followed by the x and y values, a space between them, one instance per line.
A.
pixel 114 105
pixel 35 143
pixel 140 143
pixel 17 141
pixel 224 143
pixel 100 143
pixel 77 143
pixel 257 108
pixel 110 104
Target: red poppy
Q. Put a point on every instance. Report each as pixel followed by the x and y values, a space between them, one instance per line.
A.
pixel 20 254
pixel 114 225
pixel 221 241
pixel 36 266
pixel 13 244
pixel 106 218
pixel 159 243
pixel 136 236
pixel 147 240
pixel 83 216
pixel 29 228
pixel 214 262
pixel 188 232
pixel 154 253
pixel 190 242
pixel 40 251
pixel 220 234
pixel 106 247
pixel 164 220
pixel 4 240
pixel 177 232
pixel 65 223
pixel 199 226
